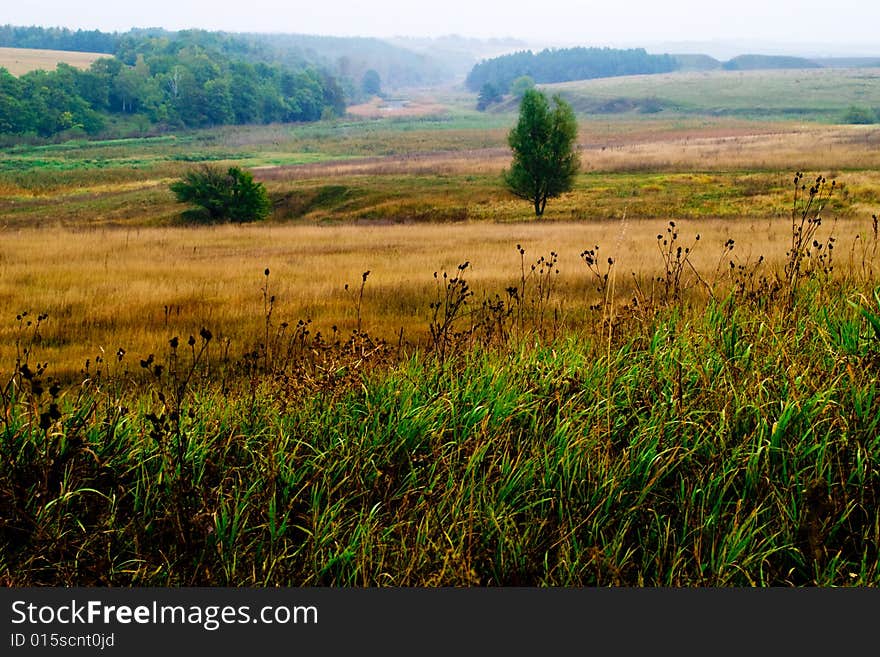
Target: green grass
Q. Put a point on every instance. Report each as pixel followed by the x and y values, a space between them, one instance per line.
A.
pixel 49 168
pixel 86 194
pixel 809 95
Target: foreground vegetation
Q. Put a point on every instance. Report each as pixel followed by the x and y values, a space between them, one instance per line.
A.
pixel 693 426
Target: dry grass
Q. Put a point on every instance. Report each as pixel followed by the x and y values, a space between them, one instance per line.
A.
pixel 809 147
pixel 613 147
pixel 106 289
pixel 106 266
pixel 19 61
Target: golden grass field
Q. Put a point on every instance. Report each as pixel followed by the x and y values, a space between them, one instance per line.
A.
pixel 101 251
pixel 612 146
pixel 19 61
pixel 136 288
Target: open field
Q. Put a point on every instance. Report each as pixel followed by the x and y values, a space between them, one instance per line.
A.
pixel 211 405
pixel 681 439
pixel 19 61
pixel 442 169
pixel 91 232
pixel 133 288
pixel 810 94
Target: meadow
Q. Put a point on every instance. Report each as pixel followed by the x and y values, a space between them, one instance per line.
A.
pixel 822 95
pixel 403 379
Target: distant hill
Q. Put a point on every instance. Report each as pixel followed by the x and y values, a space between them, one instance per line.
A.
pixel 817 94
pixel 156 83
pixel 351 57
pixel 688 62
pixel 765 62
pixel 58 38
pixel 566 64
pixel 847 62
pixel 459 53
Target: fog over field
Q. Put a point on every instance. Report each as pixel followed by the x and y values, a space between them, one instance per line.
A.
pixel 809 28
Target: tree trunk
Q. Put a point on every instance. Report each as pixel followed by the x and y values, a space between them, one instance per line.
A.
pixel 540 204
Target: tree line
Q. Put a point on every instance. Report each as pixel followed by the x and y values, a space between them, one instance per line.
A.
pixel 57 38
pixel 346 59
pixel 194 79
pixel 562 65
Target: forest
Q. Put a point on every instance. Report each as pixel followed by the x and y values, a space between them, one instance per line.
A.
pixel 194 79
pixel 564 64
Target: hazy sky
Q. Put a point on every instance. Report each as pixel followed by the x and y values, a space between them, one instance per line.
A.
pixel 847 23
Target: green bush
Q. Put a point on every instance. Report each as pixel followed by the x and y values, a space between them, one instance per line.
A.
pixel 860 115
pixel 230 195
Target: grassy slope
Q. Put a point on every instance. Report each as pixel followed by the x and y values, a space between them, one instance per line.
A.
pixel 822 95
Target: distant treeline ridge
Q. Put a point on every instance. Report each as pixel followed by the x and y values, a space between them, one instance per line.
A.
pixel 566 64
pixel 58 38
pixel 194 79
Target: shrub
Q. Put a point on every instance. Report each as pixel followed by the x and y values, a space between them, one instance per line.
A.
pixel 230 195
pixel 860 115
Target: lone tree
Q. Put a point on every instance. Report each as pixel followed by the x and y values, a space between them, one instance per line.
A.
pixel 371 83
pixel 489 94
pixel 544 162
pixel 230 195
pixel 521 85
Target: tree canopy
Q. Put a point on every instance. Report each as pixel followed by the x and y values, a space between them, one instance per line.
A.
pixel 544 160
pixel 196 79
pixel 489 94
pixel 562 65
pixel 371 83
pixel 521 85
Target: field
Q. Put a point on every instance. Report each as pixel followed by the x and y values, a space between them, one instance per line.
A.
pixel 402 378
pixel 19 61
pixel 808 94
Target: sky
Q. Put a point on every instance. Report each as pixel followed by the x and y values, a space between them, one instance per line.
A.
pixel 844 26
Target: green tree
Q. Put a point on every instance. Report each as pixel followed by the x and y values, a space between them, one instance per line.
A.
pixel 488 95
pixel 521 85
pixel 371 83
pixel 230 195
pixel 860 115
pixel 218 105
pixel 544 160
